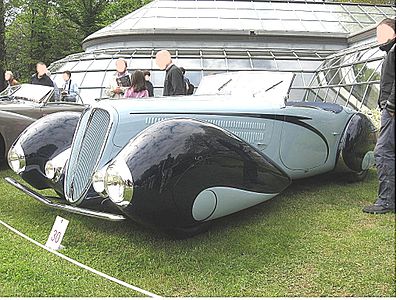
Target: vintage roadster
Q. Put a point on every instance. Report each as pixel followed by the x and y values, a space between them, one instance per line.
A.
pixel 176 163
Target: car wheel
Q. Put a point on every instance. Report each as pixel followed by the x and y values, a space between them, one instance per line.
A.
pixel 357 176
pixel 188 232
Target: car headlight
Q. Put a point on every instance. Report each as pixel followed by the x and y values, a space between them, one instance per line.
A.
pixel 118 183
pixel 98 182
pixel 16 158
pixel 54 167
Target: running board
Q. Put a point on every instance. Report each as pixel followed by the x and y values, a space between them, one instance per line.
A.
pixel 71 209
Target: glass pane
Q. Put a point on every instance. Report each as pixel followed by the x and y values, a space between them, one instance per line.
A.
pixel 363 18
pixel 352 8
pixel 194 77
pixel 306 15
pixel 267 14
pixel 83 65
pixel 352 27
pixel 309 65
pixel 157 78
pixel 100 64
pixel 93 79
pixel 294 25
pixel 313 26
pixel 140 64
pixel 68 66
pixel 288 65
pixel 189 63
pixel 214 64
pixel 264 64
pixel 237 64
pixel 77 78
pixel 272 25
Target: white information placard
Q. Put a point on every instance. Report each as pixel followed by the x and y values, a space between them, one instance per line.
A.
pixel 57 233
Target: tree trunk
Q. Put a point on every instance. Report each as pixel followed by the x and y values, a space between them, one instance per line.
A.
pixel 2 46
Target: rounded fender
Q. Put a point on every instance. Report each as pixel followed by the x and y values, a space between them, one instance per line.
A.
pixel 355 152
pixel 186 171
pixel 43 140
pixel 11 126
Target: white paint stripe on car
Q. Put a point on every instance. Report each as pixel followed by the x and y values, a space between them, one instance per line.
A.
pixel 120 282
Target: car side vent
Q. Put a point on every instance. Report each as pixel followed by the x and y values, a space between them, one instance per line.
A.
pixel 87 147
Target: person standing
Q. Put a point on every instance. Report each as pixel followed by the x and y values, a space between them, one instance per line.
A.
pixel 149 85
pixel 385 149
pixel 120 81
pixel 70 89
pixel 138 87
pixel 9 78
pixel 173 83
pixel 41 77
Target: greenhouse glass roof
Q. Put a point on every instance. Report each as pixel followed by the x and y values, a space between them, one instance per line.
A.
pixel 181 16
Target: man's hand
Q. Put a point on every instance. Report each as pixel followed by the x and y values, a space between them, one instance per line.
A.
pixel 117 90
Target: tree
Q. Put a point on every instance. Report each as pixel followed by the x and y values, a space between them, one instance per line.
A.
pixel 2 46
pixel 85 14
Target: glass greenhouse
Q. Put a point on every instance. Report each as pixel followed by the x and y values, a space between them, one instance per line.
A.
pixel 329 45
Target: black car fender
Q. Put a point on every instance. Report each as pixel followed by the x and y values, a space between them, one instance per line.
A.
pixel 355 151
pixel 11 126
pixel 174 161
pixel 42 141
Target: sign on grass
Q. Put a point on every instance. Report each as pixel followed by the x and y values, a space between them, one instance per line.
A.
pixel 57 233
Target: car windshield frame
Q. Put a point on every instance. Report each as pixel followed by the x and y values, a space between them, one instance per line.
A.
pixel 32 92
pixel 256 84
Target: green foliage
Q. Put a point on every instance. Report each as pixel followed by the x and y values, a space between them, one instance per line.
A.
pixel 45 30
pixel 311 241
pixel 2 45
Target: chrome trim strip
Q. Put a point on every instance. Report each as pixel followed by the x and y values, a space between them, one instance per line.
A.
pixel 72 209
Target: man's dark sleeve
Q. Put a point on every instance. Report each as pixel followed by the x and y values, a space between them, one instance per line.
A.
pixel 178 85
pixel 391 102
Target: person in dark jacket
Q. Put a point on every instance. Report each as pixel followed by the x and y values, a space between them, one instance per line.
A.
pixel 173 83
pixel 385 149
pixel 40 77
pixel 149 85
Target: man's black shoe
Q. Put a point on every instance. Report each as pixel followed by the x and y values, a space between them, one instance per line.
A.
pixel 378 209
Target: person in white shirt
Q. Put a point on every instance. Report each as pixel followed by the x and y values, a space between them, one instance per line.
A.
pixel 69 89
pixel 120 81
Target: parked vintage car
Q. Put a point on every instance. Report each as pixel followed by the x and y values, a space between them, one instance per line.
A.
pixel 176 163
pixel 23 104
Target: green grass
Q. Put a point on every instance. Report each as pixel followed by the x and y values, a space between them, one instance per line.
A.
pixel 313 240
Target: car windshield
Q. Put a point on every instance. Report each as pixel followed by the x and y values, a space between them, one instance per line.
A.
pixel 255 84
pixel 31 92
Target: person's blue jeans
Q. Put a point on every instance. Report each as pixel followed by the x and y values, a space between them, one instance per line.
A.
pixel 385 158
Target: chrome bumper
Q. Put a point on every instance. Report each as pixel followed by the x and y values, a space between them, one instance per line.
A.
pixel 72 209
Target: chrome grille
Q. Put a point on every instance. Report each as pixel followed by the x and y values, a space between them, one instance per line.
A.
pixel 85 153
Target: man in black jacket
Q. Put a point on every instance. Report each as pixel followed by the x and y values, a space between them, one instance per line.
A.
pixel 173 83
pixel 40 77
pixel 385 150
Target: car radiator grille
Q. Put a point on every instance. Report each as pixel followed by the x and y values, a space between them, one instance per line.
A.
pixel 85 153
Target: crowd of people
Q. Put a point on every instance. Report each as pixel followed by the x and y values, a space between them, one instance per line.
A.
pixel 122 84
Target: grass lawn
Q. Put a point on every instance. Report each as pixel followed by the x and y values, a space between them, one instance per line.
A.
pixel 313 240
